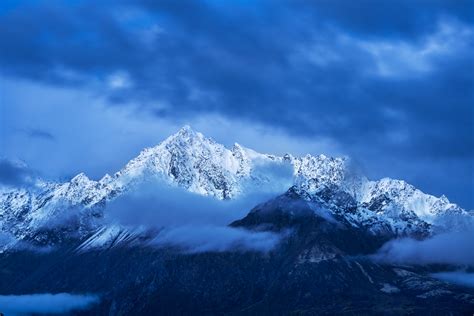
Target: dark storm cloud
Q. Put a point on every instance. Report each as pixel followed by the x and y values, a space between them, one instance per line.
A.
pixel 403 18
pixel 385 80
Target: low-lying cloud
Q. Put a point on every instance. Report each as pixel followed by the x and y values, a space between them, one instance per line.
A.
pixel 195 239
pixel 45 303
pixel 198 223
pixel 447 248
pixel 158 204
pixel 7 240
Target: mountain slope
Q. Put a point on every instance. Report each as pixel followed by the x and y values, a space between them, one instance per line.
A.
pixel 319 268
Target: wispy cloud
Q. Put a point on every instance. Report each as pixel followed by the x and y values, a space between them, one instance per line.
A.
pixel 402 58
pixel 40 134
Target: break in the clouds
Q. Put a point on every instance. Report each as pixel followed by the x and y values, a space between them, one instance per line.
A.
pixel 32 304
pixel 392 87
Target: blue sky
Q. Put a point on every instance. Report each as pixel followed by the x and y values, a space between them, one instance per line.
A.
pixel 85 85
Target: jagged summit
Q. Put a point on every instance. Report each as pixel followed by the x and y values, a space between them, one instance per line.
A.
pixel 186 129
pixel 196 163
pixel 186 135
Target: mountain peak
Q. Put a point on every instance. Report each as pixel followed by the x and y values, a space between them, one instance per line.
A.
pixel 186 130
pixel 185 135
pixel 80 179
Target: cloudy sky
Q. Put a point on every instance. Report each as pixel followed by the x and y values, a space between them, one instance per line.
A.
pixel 85 85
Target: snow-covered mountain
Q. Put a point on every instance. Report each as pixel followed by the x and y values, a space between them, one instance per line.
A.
pixel 190 160
pixel 324 224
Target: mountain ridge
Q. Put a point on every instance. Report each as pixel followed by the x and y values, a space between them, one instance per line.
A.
pixel 189 160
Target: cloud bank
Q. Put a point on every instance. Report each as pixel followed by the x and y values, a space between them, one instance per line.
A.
pixel 45 303
pixel 198 223
pixel 158 203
